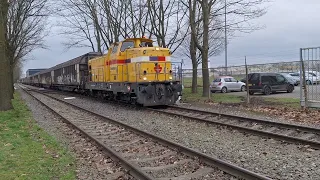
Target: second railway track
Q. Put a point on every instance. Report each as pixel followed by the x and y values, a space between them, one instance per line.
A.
pixel 145 155
pixel 281 131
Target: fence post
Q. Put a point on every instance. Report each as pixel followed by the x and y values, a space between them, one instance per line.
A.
pixel 247 80
pixel 304 83
pixel 181 72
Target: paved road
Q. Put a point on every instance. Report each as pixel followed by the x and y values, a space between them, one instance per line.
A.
pixel 314 93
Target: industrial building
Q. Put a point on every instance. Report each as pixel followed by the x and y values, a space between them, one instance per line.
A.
pixel 33 71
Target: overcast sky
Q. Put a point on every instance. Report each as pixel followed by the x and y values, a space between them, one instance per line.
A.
pixel 289 25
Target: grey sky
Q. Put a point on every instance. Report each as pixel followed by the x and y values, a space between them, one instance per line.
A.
pixel 289 25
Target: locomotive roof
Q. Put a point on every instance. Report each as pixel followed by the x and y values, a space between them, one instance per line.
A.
pixel 77 60
pixel 144 39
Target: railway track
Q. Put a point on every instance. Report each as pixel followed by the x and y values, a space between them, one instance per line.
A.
pixel 282 131
pixel 144 155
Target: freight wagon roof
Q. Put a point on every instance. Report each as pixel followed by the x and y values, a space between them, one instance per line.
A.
pixel 36 69
pixel 77 60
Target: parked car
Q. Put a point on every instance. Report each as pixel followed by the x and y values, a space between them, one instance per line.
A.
pixel 295 80
pixel 310 77
pixel 295 76
pixel 227 83
pixel 314 75
pixel 268 83
pixel 244 80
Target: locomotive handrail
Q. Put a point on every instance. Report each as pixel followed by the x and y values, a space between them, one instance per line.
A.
pixel 138 73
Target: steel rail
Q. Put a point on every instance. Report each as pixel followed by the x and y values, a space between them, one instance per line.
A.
pixel 314 144
pixel 273 123
pixel 133 169
pixel 222 165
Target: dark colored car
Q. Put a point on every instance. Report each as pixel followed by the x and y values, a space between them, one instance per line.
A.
pixel 244 80
pixel 268 83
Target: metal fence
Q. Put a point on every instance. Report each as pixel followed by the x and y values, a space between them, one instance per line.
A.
pixel 239 71
pixel 310 58
pixel 310 75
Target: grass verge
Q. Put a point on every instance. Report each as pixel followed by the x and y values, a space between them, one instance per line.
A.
pixel 230 98
pixel 287 102
pixel 215 97
pixel 28 152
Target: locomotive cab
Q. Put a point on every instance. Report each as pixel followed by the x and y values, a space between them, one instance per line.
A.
pixel 135 70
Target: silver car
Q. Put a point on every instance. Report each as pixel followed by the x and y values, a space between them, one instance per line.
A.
pixel 292 78
pixel 227 83
pixel 311 78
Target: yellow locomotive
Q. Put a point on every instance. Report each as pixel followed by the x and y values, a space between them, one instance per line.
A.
pixel 134 71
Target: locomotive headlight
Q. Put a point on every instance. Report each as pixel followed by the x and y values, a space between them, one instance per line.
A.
pixel 145 78
pixel 170 77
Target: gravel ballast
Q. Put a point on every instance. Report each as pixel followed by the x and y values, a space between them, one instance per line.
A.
pixel 266 156
pixel 91 162
pixel 271 114
pixel 118 139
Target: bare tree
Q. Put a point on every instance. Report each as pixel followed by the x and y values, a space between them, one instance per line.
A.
pixel 26 29
pixel 167 18
pixel 5 100
pixel 188 49
pixel 17 71
pixel 207 15
pixel 80 24
pixel 89 22
pixel 96 23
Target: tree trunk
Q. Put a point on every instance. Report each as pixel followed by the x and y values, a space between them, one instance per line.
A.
pixel 205 49
pixel 193 51
pixel 10 81
pixel 205 74
pixel 10 58
pixel 194 89
pixel 5 97
pixel 194 67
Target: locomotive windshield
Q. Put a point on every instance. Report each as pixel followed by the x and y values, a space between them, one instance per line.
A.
pixel 126 45
pixel 146 44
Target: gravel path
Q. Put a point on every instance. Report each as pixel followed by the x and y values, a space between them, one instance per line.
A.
pixel 267 156
pixel 91 163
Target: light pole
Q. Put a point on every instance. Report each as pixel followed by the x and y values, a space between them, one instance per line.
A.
pixel 225 36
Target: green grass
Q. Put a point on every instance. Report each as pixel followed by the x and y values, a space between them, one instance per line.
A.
pixel 27 152
pixel 287 102
pixel 230 98
pixel 215 97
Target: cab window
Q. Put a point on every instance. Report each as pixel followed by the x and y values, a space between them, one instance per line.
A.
pixel 294 74
pixel 268 79
pixel 217 80
pixel 280 79
pixel 227 80
pixel 146 44
pixel 126 45
pixel 233 80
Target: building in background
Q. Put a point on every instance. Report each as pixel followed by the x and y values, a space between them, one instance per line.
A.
pixel 33 71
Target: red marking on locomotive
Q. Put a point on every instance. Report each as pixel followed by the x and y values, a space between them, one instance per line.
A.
pixel 161 58
pixel 157 68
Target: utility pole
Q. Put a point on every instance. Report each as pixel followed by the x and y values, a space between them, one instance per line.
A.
pixel 225 36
